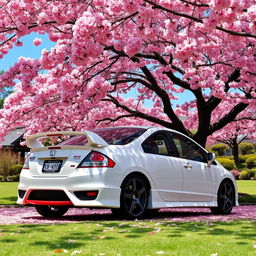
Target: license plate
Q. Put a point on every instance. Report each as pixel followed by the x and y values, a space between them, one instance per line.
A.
pixel 52 165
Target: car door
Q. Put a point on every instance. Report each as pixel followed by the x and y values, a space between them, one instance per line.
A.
pixel 199 180
pixel 164 170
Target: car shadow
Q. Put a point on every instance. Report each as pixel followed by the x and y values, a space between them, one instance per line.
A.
pixel 106 215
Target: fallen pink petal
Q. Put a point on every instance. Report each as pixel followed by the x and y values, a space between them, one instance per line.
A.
pixel 15 215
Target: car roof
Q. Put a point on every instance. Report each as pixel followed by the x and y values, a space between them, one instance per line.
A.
pixel 138 126
pixel 133 126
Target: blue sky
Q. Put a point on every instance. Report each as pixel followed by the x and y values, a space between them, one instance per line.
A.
pixel 29 50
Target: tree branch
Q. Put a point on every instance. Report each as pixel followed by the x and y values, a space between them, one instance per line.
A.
pixel 157 6
pixel 198 20
pixel 213 101
pixel 245 118
pixel 111 120
pixel 227 118
pixel 125 18
pixel 163 95
pixel 139 114
pixel 194 4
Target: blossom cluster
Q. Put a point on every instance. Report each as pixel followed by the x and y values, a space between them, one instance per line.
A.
pixel 107 50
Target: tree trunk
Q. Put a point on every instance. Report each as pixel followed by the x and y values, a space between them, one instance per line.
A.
pixel 235 153
pixel 200 139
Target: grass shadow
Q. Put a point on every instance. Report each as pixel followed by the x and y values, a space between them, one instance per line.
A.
pixel 8 200
pixel 246 198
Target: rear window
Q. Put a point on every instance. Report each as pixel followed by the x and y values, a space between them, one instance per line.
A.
pixel 79 140
pixel 119 135
pixel 113 136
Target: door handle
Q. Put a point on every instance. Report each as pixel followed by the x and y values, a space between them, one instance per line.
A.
pixel 187 166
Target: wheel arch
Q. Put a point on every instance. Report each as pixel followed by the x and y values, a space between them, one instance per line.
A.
pixel 142 175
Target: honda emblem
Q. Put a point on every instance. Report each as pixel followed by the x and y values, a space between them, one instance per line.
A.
pixel 52 152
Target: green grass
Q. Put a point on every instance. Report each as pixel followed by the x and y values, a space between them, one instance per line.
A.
pixel 8 191
pixel 129 239
pixel 247 188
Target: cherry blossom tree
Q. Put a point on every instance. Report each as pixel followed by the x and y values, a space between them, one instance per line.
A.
pixel 236 132
pixel 107 50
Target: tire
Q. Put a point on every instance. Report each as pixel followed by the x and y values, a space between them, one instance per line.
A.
pixel 226 198
pixel 134 197
pixel 51 211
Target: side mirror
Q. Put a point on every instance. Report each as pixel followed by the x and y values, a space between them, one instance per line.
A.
pixel 210 158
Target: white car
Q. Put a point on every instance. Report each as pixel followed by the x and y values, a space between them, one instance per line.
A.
pixel 128 169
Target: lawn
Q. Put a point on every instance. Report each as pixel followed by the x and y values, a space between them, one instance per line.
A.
pixel 126 238
pixel 8 191
pixel 130 238
pixel 247 190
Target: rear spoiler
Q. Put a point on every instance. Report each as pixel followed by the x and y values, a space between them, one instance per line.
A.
pixel 94 140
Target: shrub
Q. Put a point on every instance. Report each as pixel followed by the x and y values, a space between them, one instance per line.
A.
pixel 1 178
pixel 7 160
pixel 226 163
pixel 219 149
pixel 15 169
pixel 252 173
pixel 244 175
pixel 251 161
pixel 236 174
pixel 243 158
pixel 243 165
pixel 13 178
pixel 246 148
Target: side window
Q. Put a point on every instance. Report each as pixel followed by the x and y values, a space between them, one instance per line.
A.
pixel 156 144
pixel 188 149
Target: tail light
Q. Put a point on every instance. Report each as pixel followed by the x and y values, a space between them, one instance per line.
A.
pixel 26 163
pixel 96 159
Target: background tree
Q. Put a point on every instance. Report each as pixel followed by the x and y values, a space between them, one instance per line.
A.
pixel 106 49
pixel 235 133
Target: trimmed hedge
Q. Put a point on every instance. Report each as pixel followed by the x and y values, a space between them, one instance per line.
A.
pixel 251 161
pixel 248 174
pixel 244 175
pixel 243 158
pixel 219 149
pixel 227 163
pixel 246 148
pixel 13 178
pixel 252 173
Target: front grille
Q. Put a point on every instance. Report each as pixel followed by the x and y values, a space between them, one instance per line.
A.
pixel 48 195
pixel 21 193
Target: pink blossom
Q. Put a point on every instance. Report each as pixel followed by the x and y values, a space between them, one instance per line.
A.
pixel 140 54
pixel 133 46
pixel 19 43
pixel 29 215
pixel 37 41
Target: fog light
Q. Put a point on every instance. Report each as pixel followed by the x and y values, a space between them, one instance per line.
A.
pixel 86 195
